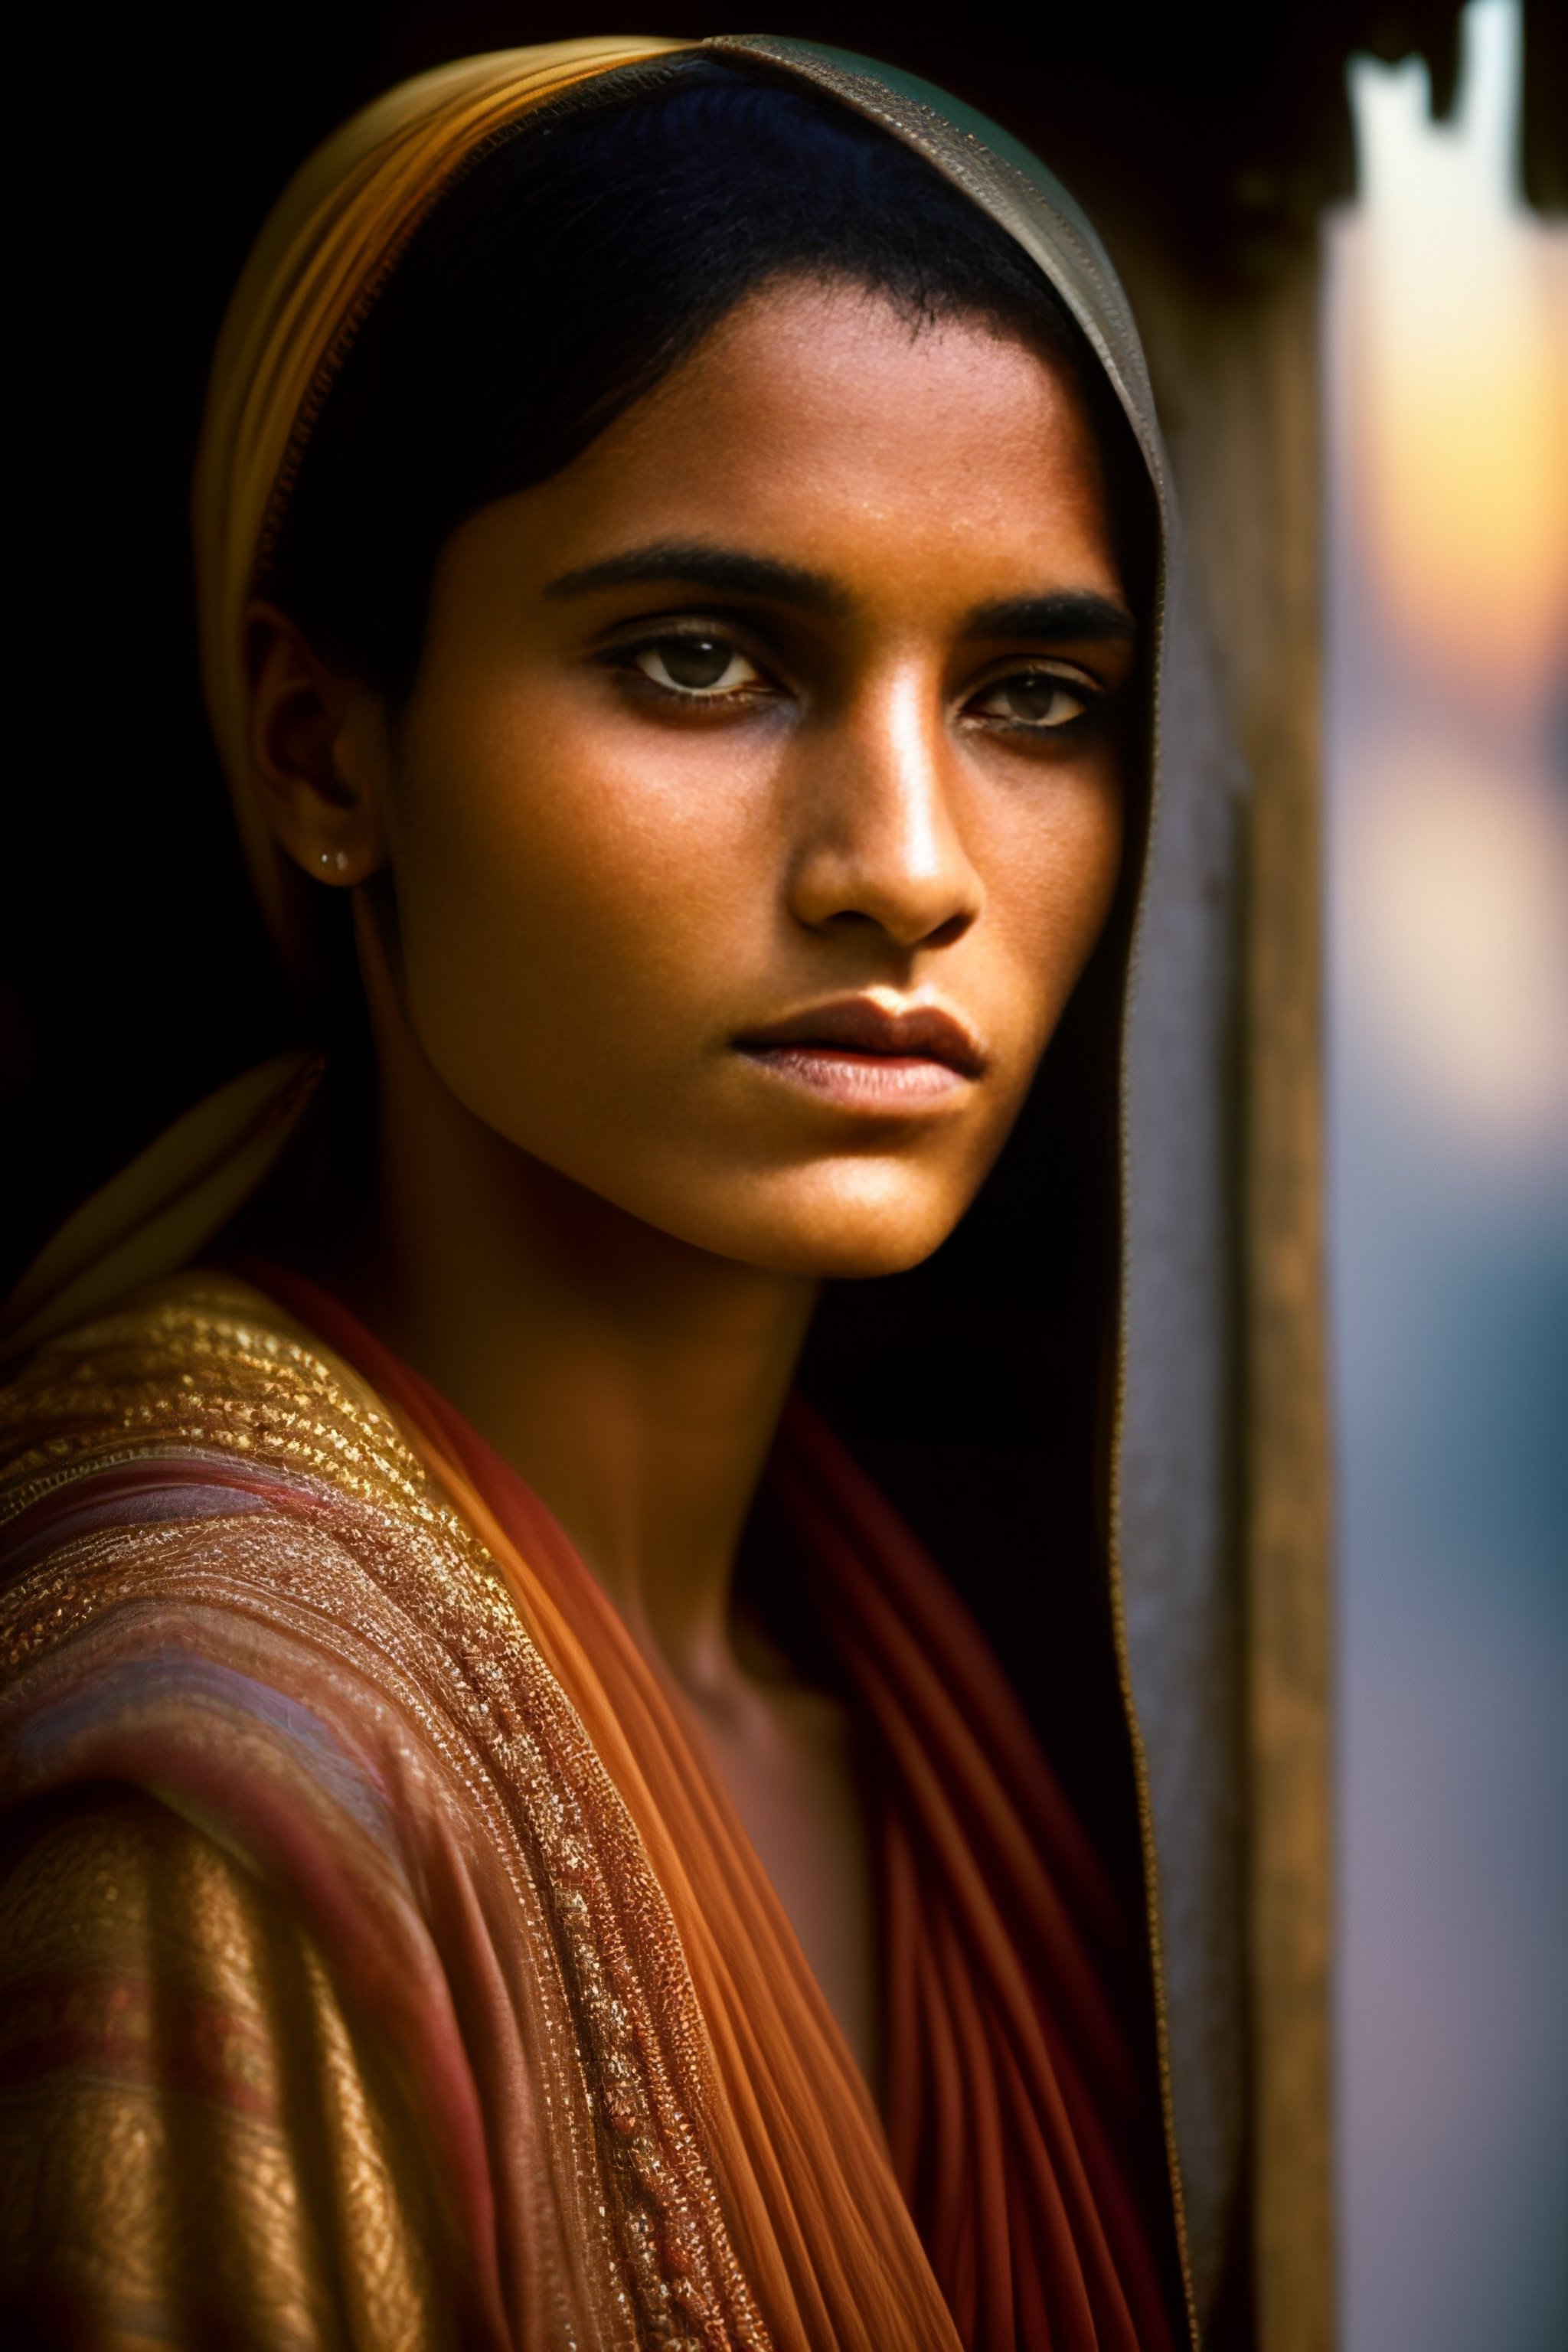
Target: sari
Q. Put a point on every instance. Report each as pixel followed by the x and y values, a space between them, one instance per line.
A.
pixel 334 1632
pixel 383 1965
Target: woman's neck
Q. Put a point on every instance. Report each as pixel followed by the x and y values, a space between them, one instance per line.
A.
pixel 632 1380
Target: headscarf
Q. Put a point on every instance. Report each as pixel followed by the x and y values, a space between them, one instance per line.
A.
pixel 330 245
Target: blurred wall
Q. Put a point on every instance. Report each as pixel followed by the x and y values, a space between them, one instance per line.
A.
pixel 1447 766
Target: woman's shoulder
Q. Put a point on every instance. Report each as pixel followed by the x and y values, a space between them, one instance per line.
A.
pixel 225 1615
pixel 199 1450
pixel 218 1570
pixel 200 1359
pixel 201 2134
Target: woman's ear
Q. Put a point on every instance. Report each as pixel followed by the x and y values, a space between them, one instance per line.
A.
pixel 320 752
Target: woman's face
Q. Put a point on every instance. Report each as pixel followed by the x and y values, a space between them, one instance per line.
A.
pixel 758 802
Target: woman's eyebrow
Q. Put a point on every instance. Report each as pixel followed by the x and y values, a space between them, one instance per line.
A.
pixel 694 563
pixel 1075 614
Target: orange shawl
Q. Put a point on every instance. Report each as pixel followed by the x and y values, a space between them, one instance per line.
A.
pixel 319 1618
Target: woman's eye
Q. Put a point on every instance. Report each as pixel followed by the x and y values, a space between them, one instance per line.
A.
pixel 695 665
pixel 1036 699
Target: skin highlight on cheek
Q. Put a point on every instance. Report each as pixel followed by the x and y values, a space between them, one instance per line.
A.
pixel 614 870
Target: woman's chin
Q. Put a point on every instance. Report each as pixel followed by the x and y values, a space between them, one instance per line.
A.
pixel 837 1241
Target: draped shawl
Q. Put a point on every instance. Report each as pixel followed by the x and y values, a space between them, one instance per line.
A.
pixel 297 1607
pixel 322 1620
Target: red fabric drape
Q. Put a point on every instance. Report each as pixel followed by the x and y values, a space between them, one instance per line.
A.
pixel 1022 2134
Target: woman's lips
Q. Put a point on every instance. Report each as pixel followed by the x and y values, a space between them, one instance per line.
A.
pixel 859 1053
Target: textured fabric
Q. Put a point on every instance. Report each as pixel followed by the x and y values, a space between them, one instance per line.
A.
pixel 321 1621
pixel 196 2145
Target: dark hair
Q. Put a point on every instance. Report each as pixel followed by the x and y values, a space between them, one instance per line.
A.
pixel 567 270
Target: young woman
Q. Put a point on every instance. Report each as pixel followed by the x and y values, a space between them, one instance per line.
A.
pixel 512 1839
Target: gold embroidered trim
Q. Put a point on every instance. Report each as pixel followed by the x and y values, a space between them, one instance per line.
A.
pixel 396 1590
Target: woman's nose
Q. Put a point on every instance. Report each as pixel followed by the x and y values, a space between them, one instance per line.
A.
pixel 879 840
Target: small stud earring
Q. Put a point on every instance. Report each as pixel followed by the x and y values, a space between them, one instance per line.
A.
pixel 325 859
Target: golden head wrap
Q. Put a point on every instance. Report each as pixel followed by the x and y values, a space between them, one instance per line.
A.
pixel 326 250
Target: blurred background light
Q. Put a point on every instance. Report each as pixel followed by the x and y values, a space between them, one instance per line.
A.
pixel 1447 1006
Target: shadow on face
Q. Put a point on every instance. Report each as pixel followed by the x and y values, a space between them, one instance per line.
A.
pixel 758 802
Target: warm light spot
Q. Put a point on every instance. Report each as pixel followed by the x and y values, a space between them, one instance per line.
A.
pixel 1455 916
pixel 1460 371
pixel 1450 408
